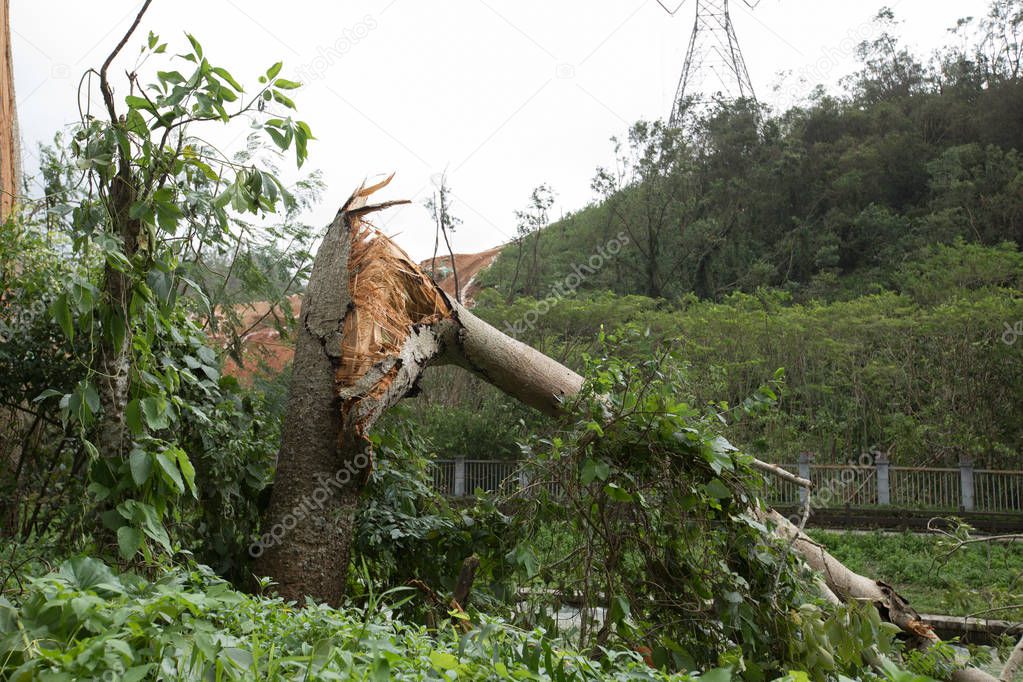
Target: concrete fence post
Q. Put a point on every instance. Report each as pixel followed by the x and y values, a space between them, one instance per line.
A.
pixel 884 487
pixel 804 472
pixel 460 477
pixel 966 489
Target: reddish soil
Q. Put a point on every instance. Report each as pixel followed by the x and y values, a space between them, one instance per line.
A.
pixel 468 266
pixel 264 353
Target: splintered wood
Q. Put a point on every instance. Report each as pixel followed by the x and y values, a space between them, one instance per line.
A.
pixel 390 296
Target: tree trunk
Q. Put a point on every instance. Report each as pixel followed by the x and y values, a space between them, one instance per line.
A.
pixel 850 586
pixel 114 354
pixel 10 143
pixel 371 323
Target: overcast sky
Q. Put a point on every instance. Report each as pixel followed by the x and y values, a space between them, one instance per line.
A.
pixel 504 95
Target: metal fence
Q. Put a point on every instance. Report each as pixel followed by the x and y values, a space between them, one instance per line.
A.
pixel 463 477
pixel 871 482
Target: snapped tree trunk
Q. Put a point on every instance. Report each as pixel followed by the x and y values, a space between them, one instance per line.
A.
pixel 372 321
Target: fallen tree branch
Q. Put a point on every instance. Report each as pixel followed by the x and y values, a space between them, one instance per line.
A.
pixel 777 471
pixel 851 586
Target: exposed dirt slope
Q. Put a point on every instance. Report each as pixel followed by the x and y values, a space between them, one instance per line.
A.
pixel 263 351
pixel 468 266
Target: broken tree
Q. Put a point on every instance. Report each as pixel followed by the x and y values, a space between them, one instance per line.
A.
pixel 372 321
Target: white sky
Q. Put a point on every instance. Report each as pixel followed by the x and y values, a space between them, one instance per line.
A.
pixel 504 95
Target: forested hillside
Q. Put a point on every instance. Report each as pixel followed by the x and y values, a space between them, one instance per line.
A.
pixel 865 242
pixel 826 201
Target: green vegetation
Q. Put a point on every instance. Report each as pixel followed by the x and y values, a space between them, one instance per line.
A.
pixel 927 381
pixel 867 243
pixel 834 278
pixel 980 579
pixel 825 201
pixel 83 621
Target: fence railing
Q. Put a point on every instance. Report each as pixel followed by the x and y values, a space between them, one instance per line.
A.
pixel 870 482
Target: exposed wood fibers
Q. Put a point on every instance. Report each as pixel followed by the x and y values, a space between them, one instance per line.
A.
pixel 390 296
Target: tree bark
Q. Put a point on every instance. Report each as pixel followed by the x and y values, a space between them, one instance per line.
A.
pixel 10 143
pixel 1013 665
pixel 114 355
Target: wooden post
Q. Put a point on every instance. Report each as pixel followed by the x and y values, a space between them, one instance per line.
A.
pixel 884 490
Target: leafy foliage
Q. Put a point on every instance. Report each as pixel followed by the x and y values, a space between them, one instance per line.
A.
pixel 128 435
pixel 85 621
pixel 645 509
pixel 925 376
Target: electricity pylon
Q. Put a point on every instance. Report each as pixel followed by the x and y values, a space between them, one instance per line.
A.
pixel 714 64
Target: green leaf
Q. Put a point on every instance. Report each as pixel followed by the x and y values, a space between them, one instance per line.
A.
pixel 141 465
pixel 173 77
pixel 717 675
pixel 278 137
pixel 48 393
pixel 62 316
pixel 136 102
pixel 196 47
pixel 283 99
pixel 524 557
pixel 617 493
pixel 443 661
pixel 717 489
pixel 86 573
pixel 128 541
pixel 272 72
pixel 223 73
pixel 155 411
pixel 595 469
pixel 137 673
pixel 188 471
pixel 133 416
pixel 285 84
pixel 148 519
pixel 114 327
pixel 170 472
pixel 620 609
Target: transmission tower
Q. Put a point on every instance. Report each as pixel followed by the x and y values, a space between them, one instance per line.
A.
pixel 714 64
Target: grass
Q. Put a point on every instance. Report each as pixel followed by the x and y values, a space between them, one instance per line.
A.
pixel 975 580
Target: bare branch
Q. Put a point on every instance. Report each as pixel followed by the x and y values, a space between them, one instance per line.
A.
pixel 104 83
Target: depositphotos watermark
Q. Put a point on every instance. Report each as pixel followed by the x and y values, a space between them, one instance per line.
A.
pixel 837 487
pixel 572 281
pixel 328 56
pixel 18 320
pixel 311 502
pixel 1013 333
pixel 831 58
